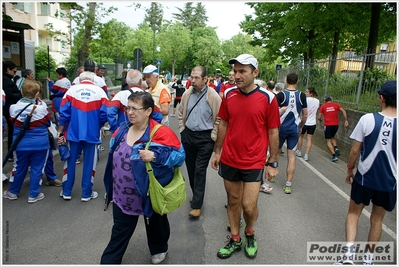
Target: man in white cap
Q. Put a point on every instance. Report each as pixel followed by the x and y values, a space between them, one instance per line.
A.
pixel 250 111
pixel 159 92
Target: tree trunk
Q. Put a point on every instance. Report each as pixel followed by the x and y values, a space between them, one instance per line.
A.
pixel 373 34
pixel 334 53
pixel 83 52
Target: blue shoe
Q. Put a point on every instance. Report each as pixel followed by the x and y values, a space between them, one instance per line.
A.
pixel 337 152
pixel 334 159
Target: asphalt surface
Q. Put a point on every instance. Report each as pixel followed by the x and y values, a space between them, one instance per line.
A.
pixel 58 232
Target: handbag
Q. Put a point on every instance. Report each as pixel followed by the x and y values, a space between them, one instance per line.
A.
pixel 165 199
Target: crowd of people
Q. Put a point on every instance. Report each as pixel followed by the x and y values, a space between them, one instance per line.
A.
pixel 213 116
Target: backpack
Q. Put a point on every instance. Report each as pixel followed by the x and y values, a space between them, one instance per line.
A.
pixel 170 197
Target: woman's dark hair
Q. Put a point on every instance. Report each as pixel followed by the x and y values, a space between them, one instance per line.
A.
pixel 144 98
pixel 8 65
pixel 178 82
pixel 25 73
pixel 312 91
pixel 61 71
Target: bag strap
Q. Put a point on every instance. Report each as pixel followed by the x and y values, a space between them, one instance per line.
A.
pixel 21 112
pixel 196 104
pixel 147 164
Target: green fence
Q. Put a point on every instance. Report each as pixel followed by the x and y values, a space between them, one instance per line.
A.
pixel 351 83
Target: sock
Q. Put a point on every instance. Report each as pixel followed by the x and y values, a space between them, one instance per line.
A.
pixel 236 237
pixel 368 257
pixel 333 155
pixel 250 232
pixel 350 247
pixel 287 183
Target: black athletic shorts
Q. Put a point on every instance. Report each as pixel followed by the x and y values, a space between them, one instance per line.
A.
pixel 310 129
pixel 234 175
pixel 362 194
pixel 330 131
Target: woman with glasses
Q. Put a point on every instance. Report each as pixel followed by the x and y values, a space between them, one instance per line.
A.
pixel 13 95
pixel 126 180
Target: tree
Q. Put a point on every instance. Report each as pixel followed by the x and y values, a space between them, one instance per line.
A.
pixel 206 50
pixel 154 17
pixel 174 42
pixel 192 17
pixel 44 63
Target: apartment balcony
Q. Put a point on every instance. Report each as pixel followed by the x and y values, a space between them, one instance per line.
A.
pixel 57 23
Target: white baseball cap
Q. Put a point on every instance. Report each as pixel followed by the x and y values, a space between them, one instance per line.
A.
pixel 150 69
pixel 245 59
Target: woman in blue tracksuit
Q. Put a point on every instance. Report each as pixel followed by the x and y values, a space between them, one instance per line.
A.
pixel 126 180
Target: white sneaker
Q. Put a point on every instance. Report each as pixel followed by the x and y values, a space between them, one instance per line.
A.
pixel 158 258
pixel 35 199
pixel 4 177
pixel 265 188
pixel 298 153
pixel 94 194
pixel 306 157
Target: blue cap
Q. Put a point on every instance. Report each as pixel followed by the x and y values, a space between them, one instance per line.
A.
pixel 388 89
pixel 150 69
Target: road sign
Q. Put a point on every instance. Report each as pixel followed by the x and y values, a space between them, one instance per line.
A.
pixel 159 62
pixel 278 67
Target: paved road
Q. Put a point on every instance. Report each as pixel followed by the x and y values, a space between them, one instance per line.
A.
pixel 54 231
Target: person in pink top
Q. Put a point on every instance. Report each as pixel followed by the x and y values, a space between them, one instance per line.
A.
pixel 331 122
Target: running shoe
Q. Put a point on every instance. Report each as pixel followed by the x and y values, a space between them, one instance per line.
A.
pixel 9 195
pixel 298 153
pixel 35 199
pixel 232 246
pixel 265 188
pixel 251 246
pixel 94 194
pixel 337 152
pixel 287 189
pixel 306 157
pixel 334 159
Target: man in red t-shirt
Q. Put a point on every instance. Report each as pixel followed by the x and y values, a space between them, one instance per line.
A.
pixel 253 112
pixel 331 122
pixel 229 84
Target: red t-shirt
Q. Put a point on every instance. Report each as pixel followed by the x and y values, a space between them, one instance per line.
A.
pixel 330 111
pixel 226 85
pixel 249 117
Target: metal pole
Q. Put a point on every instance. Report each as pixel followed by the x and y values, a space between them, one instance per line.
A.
pixel 48 61
pixel 359 86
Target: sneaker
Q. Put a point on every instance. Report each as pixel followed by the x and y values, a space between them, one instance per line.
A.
pixel 65 197
pixel 265 188
pixel 172 115
pixel 228 226
pixel 251 246
pixel 35 199
pixel 226 251
pixel 94 194
pixel 9 195
pixel 4 177
pixel 367 263
pixel 158 258
pixel 334 159
pixel 337 152
pixel 298 153
pixel 273 180
pixel 55 182
pixel 78 161
pixel 287 189
pixel 306 157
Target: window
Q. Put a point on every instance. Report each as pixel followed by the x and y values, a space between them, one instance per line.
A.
pixel 45 9
pixel 25 7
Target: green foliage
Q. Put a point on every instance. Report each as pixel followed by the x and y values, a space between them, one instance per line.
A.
pixel 192 17
pixel 42 64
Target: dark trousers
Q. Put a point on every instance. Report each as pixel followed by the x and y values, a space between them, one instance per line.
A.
pixel 198 146
pixel 157 228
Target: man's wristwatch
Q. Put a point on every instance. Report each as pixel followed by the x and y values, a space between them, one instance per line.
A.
pixel 273 164
pixel 153 158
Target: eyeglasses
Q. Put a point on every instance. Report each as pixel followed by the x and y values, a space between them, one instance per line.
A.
pixel 133 109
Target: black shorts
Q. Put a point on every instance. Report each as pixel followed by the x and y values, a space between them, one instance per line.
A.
pixel 310 129
pixel 362 194
pixel 235 175
pixel 330 131
pixel 177 101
